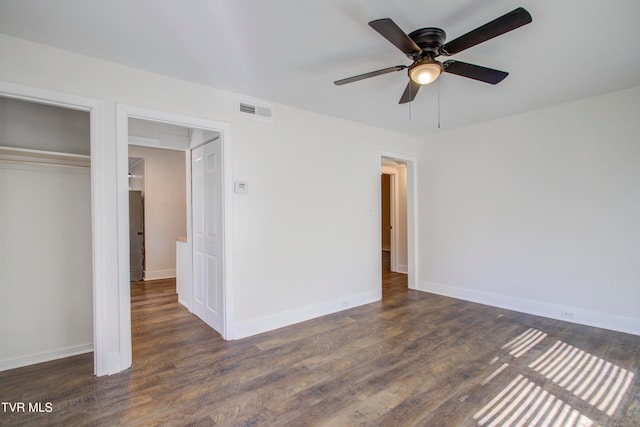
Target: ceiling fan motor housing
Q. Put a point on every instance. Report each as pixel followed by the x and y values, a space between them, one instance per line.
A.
pixel 430 40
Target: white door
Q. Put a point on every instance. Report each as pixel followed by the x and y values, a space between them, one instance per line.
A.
pixel 208 283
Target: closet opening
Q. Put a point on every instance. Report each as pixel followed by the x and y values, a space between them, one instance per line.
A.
pixel 46 271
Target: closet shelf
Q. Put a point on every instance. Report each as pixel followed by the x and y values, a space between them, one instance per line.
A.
pixel 30 156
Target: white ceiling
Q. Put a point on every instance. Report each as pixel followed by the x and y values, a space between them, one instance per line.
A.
pixel 291 51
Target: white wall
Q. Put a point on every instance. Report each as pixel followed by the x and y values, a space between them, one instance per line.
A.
pixel 43 127
pixel 306 241
pixel 165 209
pixel 46 307
pixel 303 244
pixel 538 212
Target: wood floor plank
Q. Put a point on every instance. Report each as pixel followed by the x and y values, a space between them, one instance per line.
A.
pixel 412 358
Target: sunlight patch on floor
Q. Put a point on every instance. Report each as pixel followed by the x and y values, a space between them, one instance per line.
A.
pixel 524 342
pixel 529 401
pixel 594 380
pixel 523 402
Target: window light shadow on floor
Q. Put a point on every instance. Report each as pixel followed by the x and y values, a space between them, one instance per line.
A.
pixel 596 381
pixel 530 399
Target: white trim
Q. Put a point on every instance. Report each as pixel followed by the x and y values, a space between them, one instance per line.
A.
pixel 144 141
pixel 45 356
pixel 289 317
pixel 188 249
pixel 99 193
pixel 123 113
pixel 412 213
pixel 538 308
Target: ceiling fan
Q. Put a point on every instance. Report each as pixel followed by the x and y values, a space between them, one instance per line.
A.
pixel 422 46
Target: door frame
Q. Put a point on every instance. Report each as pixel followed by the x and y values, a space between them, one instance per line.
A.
pixel 412 212
pixel 100 228
pixel 123 113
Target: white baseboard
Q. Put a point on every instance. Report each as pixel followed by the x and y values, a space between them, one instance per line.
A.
pixel 184 303
pixel 32 359
pixel 268 323
pixel 160 274
pixel 581 316
pixel 404 269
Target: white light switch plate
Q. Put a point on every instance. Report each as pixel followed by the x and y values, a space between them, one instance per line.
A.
pixel 241 187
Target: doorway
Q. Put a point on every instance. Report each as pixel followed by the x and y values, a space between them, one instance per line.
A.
pixel 158 197
pixel 393 195
pixel 397 178
pixel 167 185
pixel 201 129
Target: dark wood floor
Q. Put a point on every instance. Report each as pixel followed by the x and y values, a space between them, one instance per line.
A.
pixel 411 359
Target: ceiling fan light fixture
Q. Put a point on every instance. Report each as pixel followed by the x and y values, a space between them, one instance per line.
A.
pixel 425 71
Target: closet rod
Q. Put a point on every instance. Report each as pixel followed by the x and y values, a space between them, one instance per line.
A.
pixel 22 162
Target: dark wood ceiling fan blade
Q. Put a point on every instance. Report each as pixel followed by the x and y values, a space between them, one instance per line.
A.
pixel 510 21
pixel 390 31
pixel 369 74
pixel 476 72
pixel 410 92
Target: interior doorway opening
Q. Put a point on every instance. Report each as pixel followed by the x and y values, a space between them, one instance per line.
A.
pixel 158 197
pixel 198 132
pixel 397 214
pixel 393 215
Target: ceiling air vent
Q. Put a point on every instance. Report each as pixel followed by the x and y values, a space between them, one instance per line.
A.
pixel 247 109
pixel 255 110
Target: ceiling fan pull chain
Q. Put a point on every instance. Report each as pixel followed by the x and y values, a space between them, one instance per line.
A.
pixel 438 103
